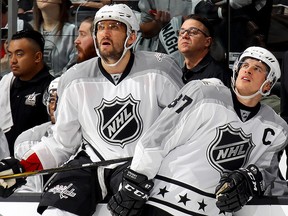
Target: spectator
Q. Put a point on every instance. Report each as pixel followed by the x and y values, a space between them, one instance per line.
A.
pixel 51 18
pixel 156 14
pixel 164 17
pixel 209 131
pixel 194 42
pixel 117 97
pixel 84 43
pixel 22 89
pixel 34 135
pixel 21 24
pixel 24 6
pixel 248 22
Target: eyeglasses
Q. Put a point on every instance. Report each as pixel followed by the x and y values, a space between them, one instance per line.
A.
pixel 192 31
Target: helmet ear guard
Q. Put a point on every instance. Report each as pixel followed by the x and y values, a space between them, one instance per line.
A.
pixel 265 56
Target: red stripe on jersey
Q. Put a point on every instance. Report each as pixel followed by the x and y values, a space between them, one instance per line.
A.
pixel 32 163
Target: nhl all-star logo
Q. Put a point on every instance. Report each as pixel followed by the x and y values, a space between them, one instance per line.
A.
pixel 230 149
pixel 119 120
pixel 31 99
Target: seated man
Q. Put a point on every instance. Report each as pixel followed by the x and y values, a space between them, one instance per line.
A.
pixel 34 135
pixel 195 39
pixel 209 133
pixel 21 90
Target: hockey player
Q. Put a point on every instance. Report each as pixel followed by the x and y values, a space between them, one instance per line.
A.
pixel 34 135
pixel 120 95
pixel 211 133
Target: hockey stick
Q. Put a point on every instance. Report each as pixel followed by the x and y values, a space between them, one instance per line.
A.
pixel 65 168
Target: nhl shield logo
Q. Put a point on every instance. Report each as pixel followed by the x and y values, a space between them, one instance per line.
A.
pixel 230 149
pixel 119 120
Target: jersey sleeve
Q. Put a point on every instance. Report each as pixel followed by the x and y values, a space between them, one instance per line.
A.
pixel 276 139
pixel 54 150
pixel 31 162
pixel 169 130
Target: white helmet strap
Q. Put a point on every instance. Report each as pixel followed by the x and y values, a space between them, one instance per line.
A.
pixel 260 91
pixel 128 33
pixel 123 53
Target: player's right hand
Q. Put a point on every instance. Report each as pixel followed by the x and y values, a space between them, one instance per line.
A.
pixel 8 186
pixel 130 200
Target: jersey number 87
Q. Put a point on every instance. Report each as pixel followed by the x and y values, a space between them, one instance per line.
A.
pixel 184 100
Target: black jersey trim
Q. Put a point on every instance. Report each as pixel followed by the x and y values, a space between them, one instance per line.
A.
pixel 239 106
pixel 124 74
pixel 128 67
pixel 175 207
pixel 189 187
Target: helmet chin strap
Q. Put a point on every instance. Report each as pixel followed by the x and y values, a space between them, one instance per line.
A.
pixel 260 91
pixel 123 54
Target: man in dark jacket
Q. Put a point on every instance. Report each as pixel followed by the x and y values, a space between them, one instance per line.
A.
pixel 21 90
pixel 194 42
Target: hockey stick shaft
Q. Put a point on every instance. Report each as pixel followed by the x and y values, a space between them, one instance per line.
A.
pixel 66 168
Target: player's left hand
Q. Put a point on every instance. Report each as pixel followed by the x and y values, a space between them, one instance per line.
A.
pixel 8 186
pixel 130 200
pixel 236 188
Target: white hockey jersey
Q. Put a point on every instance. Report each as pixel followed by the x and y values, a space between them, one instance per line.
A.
pixel 197 137
pixel 22 144
pixel 110 115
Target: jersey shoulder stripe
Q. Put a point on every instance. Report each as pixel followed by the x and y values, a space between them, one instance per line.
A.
pixel 208 90
pixel 159 63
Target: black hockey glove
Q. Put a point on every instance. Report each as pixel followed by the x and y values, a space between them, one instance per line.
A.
pixel 8 186
pixel 235 189
pixel 132 196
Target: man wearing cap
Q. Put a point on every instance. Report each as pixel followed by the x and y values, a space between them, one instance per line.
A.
pixel 110 101
pixel 22 89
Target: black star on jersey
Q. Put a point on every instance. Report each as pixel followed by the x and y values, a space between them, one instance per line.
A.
pixel 183 199
pixel 162 191
pixel 202 205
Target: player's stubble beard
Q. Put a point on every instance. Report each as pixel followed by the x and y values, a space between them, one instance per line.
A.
pixel 110 56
